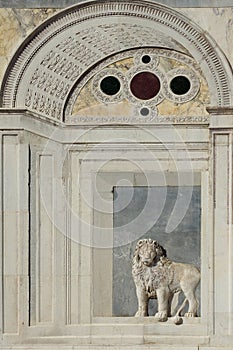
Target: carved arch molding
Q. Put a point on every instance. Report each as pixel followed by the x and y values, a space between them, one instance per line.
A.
pixel 45 71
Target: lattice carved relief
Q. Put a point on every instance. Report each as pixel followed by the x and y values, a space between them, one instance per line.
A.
pixel 52 79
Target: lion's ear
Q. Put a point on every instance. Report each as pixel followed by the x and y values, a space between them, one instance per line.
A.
pixel 136 255
pixel 140 243
pixel 164 252
pixel 161 251
pixel 136 252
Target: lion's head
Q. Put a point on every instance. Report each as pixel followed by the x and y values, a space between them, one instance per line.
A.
pixel 148 252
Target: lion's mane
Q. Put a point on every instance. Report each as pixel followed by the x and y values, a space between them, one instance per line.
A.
pixel 139 270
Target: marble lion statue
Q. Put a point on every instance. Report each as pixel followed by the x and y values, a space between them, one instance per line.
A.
pixel 155 276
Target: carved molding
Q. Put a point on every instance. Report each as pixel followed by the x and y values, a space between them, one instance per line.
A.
pixel 49 64
pixel 220 110
pixel 61 3
pixel 152 118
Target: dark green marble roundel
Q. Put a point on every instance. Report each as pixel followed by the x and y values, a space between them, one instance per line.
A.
pixel 110 85
pixel 180 85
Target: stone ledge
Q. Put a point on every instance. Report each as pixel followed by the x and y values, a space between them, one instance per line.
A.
pixel 101 347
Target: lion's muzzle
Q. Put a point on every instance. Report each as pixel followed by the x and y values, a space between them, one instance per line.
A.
pixel 147 262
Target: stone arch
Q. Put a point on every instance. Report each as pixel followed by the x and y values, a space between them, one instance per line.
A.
pixel 48 65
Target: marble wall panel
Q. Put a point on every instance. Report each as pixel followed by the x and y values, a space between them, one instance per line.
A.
pixel 15 26
pixel 45 239
pixel 217 23
pixel 10 232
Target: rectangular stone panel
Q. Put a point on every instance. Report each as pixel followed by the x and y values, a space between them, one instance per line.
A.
pixel 45 243
pixel 223 244
pixel 10 232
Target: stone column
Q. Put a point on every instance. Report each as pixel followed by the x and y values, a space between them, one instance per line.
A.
pixel 221 127
pixel 13 232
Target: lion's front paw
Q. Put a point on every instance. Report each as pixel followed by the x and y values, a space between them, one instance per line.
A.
pixel 161 316
pixel 141 313
pixel 189 314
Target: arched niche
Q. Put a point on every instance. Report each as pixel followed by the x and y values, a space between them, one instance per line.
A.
pixel 45 73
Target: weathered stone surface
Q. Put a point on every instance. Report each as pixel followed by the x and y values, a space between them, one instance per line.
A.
pixel 218 25
pixel 15 25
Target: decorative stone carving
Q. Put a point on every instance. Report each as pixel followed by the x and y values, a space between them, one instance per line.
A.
pixel 155 276
pixel 110 98
pixel 165 65
pixel 155 54
pixel 68 45
pixel 137 119
pixel 138 69
pixel 194 88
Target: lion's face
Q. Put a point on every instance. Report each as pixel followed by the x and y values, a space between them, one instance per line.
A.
pixel 147 251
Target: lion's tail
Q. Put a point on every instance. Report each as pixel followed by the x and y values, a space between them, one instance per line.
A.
pixel 181 307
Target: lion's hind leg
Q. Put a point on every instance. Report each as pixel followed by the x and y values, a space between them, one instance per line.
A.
pixel 193 304
pixel 188 285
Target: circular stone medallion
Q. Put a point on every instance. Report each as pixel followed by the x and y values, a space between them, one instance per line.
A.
pixel 145 85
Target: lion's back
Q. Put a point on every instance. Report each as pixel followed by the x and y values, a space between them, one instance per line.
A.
pixel 186 273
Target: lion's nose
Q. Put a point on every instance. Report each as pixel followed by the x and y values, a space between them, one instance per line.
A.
pixel 147 257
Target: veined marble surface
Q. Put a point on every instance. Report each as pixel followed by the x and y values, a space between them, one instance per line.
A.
pixel 15 26
pixel 217 23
